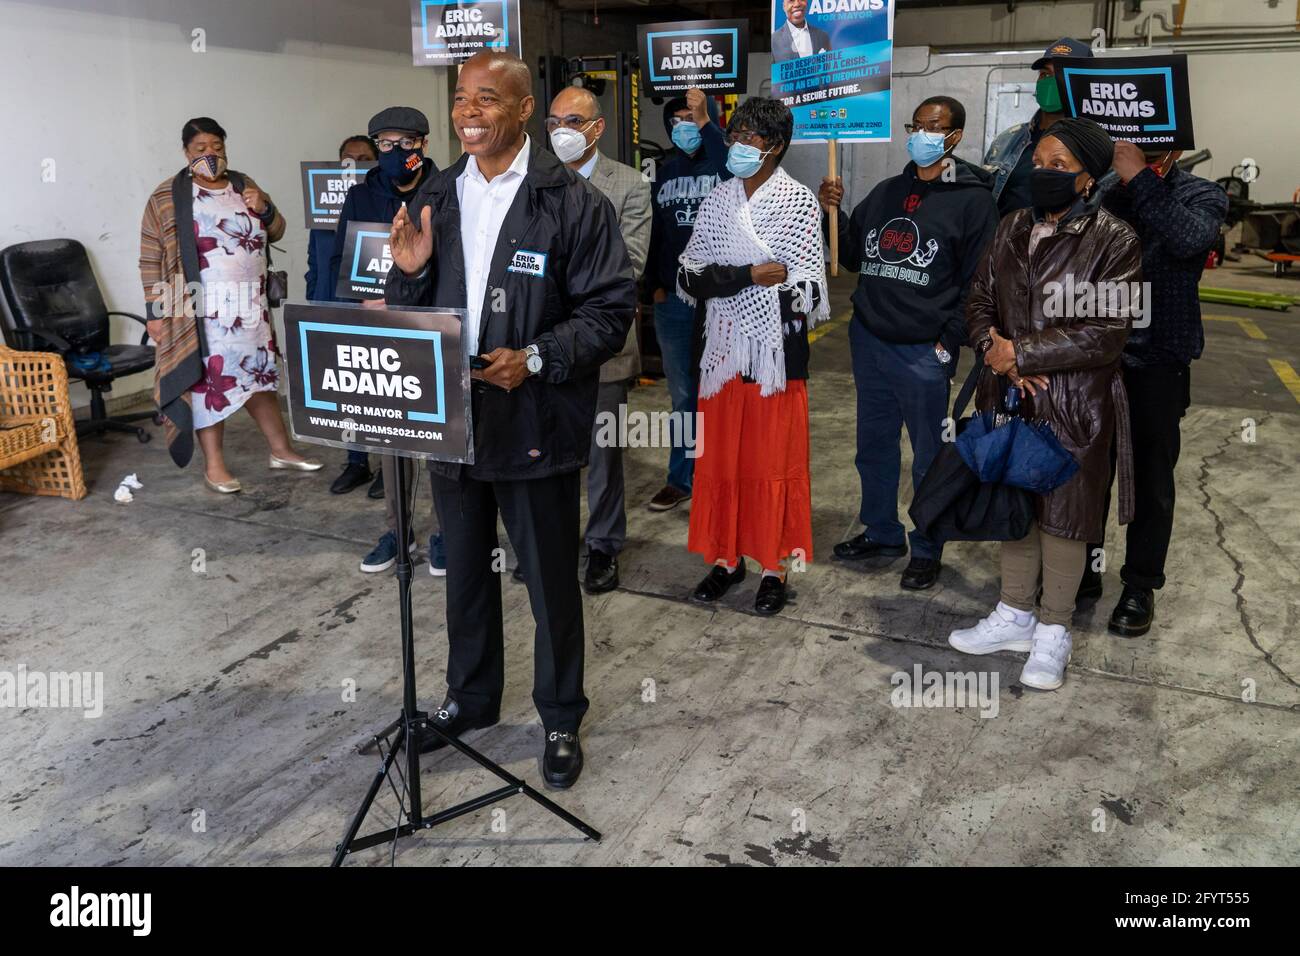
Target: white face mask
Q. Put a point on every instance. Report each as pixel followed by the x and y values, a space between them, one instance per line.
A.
pixel 569 144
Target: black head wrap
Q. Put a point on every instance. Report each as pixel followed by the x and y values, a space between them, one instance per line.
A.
pixel 1090 144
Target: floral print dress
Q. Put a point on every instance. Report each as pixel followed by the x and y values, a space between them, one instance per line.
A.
pixel 241 350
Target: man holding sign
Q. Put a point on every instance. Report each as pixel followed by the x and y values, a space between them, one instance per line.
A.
pixel 1177 217
pixel 915 242
pixel 532 252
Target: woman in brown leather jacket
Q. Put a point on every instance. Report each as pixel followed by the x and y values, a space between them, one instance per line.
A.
pixel 1049 309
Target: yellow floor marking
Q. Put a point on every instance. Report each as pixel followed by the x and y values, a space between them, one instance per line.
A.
pixel 828 325
pixel 1288 376
pixel 1247 325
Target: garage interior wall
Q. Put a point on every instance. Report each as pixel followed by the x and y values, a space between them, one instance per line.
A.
pixel 106 85
pixel 102 89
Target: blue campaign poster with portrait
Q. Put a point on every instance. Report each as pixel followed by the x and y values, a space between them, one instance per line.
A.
pixel 831 64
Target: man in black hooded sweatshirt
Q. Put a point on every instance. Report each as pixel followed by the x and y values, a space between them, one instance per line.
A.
pixel 688 174
pixel 914 241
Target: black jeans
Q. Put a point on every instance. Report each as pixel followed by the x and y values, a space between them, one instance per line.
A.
pixel 1158 397
pixel 541 518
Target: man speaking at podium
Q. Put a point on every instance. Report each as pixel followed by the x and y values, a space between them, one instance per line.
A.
pixel 532 252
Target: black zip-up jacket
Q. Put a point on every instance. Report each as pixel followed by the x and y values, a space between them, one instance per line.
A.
pixel 577 312
pixel 915 246
pixel 1178 219
pixel 375 199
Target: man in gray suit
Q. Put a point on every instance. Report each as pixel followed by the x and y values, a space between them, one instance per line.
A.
pixel 796 38
pixel 575 125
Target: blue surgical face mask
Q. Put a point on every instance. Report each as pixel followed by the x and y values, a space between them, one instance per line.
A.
pixel 686 136
pixel 925 148
pixel 744 160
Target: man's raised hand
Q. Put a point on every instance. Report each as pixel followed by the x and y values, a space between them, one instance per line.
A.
pixel 411 247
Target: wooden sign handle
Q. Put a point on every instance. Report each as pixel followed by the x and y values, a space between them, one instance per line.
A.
pixel 833 212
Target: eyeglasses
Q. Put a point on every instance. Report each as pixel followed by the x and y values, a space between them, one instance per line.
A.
pixel 746 136
pixel 571 121
pixel 406 142
pixel 927 127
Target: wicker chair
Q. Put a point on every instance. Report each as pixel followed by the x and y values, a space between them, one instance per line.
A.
pixel 38 440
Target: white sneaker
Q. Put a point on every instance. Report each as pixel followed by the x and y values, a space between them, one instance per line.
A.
pixel 1000 631
pixel 1045 669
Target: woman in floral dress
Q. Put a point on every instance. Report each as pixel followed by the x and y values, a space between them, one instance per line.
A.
pixel 233 364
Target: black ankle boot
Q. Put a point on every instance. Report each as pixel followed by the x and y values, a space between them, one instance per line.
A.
pixel 1133 614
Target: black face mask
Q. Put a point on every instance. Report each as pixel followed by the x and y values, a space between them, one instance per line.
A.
pixel 401 165
pixel 1052 189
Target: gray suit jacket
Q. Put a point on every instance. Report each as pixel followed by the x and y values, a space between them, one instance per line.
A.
pixel 783 43
pixel 629 194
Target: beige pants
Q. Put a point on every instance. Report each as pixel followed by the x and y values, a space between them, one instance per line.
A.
pixel 1058 561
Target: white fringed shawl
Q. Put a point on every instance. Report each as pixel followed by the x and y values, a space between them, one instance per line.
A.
pixel 742 333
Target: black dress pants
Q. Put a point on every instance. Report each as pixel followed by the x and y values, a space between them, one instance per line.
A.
pixel 1158 397
pixel 541 518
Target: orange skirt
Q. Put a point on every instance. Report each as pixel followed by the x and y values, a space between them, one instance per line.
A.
pixel 751 495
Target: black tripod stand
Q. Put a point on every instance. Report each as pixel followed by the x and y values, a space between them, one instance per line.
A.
pixel 413 721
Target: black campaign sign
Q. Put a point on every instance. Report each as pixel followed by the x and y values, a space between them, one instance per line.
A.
pixel 366 261
pixel 1142 99
pixel 447 32
pixel 324 187
pixel 378 379
pixel 711 55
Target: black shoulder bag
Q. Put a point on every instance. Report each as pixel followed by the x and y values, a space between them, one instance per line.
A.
pixel 952 504
pixel 277 282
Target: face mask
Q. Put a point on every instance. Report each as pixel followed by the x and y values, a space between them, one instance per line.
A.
pixel 686 136
pixel 401 165
pixel 1048 96
pixel 1052 189
pixel 208 166
pixel 569 144
pixel 925 148
pixel 744 160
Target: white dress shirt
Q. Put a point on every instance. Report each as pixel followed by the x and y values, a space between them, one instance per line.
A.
pixel 800 39
pixel 483 207
pixel 589 167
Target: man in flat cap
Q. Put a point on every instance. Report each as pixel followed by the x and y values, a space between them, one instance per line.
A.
pixel 1010 157
pixel 401 137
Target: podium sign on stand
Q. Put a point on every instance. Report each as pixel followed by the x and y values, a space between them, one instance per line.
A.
pixel 379 379
pixel 396 381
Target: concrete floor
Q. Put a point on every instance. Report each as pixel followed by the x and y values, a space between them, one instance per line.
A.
pixel 767 742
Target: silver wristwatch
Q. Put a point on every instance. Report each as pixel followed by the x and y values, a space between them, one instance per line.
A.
pixel 533 359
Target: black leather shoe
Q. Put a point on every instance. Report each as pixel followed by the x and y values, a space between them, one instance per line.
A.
pixel 602 572
pixel 1133 614
pixel 453 722
pixel 921 573
pixel 770 597
pixel 354 476
pixel 376 486
pixel 860 547
pixel 562 760
pixel 1090 587
pixel 717 583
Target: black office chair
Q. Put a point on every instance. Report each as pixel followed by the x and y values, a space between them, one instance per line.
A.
pixel 55 306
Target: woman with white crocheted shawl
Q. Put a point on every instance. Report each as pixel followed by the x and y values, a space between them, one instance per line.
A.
pixel 754 270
